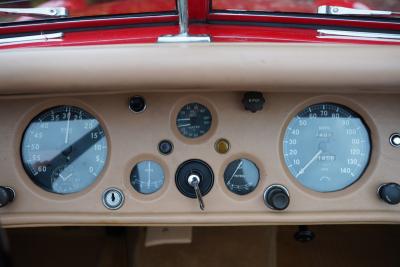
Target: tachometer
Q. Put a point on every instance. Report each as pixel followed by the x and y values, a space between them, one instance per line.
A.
pixel 64 149
pixel 193 120
pixel 326 147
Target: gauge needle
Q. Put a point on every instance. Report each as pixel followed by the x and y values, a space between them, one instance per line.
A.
pixel 237 168
pixel 309 163
pixel 67 131
pixel 148 171
pixel 65 178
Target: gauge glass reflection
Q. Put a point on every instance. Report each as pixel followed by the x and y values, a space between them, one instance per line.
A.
pixel 326 147
pixel 193 120
pixel 241 176
pixel 64 149
pixel 147 177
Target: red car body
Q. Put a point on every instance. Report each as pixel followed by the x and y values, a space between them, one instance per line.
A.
pixel 222 26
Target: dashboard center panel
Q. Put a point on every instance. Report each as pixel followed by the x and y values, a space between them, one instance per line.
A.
pixel 317 147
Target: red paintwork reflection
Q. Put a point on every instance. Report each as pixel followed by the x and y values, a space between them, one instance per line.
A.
pixel 219 33
pixel 302 6
pixel 82 8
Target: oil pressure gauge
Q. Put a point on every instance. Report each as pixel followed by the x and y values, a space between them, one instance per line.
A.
pixel 241 176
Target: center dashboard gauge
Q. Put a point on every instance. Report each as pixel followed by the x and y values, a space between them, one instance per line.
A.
pixel 241 176
pixel 326 147
pixel 64 149
pixel 193 120
pixel 147 177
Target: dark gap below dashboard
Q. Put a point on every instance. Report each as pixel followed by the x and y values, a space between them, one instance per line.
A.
pixel 333 245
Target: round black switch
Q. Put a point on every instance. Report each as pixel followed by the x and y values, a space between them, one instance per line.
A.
pixel 165 147
pixel 390 193
pixel 137 104
pixel 194 167
pixel 253 101
pixel 7 195
pixel 276 197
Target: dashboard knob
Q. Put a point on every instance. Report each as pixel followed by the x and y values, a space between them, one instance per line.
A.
pixel 253 101
pixel 276 197
pixel 7 195
pixel 390 193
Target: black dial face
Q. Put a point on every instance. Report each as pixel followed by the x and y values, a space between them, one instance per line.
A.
pixel 64 149
pixel 147 177
pixel 193 120
pixel 241 176
pixel 326 147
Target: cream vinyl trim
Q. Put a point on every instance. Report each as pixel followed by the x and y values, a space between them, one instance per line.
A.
pixel 101 80
pixel 202 67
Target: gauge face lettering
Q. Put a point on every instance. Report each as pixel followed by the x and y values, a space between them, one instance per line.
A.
pixel 326 147
pixel 147 177
pixel 241 176
pixel 193 120
pixel 64 149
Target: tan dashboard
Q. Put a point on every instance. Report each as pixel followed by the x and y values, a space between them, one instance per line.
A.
pixel 134 137
pixel 317 151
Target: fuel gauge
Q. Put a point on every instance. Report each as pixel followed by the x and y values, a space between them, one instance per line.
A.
pixel 241 176
pixel 147 177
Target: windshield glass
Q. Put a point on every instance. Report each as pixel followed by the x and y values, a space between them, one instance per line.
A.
pixel 80 8
pixel 302 6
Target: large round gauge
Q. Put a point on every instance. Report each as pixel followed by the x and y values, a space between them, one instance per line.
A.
pixel 147 177
pixel 64 149
pixel 193 120
pixel 326 147
pixel 241 176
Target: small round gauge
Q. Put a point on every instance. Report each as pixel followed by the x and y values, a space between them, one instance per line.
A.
pixel 193 120
pixel 241 176
pixel 147 177
pixel 64 149
pixel 326 147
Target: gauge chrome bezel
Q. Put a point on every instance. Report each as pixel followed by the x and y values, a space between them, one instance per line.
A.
pixel 368 123
pixel 34 111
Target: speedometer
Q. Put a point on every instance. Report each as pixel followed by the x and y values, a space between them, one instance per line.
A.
pixel 64 149
pixel 326 147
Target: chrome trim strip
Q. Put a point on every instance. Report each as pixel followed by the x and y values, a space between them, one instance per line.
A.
pixel 38 11
pixel 362 35
pixel 32 38
pixel 338 10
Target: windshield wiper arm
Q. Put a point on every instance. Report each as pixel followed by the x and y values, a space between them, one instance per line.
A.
pixel 338 10
pixel 38 11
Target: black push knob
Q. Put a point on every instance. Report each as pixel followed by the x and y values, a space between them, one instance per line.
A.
pixel 253 101
pixel 7 195
pixel 137 104
pixel 390 193
pixel 276 197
